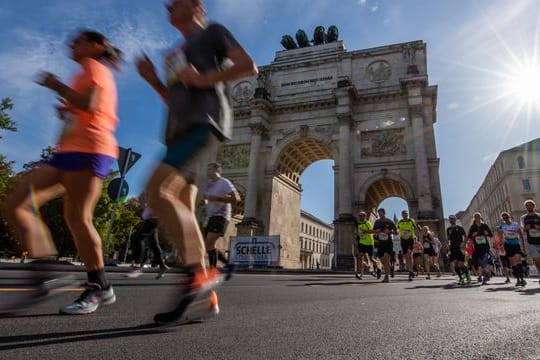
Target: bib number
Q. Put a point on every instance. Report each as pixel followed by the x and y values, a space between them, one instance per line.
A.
pixel 481 240
pixel 405 234
pixel 383 236
pixel 534 233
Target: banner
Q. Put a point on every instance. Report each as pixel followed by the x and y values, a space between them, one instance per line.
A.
pixel 255 250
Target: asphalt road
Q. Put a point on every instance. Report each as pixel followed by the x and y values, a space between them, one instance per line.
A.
pixel 287 317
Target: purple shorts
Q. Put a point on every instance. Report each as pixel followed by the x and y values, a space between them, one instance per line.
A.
pixel 100 165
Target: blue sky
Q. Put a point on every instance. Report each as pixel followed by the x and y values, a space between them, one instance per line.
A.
pixel 482 55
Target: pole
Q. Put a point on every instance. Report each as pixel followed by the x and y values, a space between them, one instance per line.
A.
pixel 115 206
pixel 128 243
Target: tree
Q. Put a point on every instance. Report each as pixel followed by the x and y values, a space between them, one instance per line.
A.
pixel 5 121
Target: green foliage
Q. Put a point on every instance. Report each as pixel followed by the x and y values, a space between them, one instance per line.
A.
pixel 5 121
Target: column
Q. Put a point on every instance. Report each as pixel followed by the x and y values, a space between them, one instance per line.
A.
pixel 345 208
pixel 250 210
pixel 422 170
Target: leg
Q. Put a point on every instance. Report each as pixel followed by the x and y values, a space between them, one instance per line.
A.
pixel 210 244
pixel 21 209
pixel 83 190
pixel 173 201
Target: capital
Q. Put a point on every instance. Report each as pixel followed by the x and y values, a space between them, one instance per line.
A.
pixel 257 128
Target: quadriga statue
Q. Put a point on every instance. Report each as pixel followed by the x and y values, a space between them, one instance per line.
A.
pixel 301 38
pixel 288 42
pixel 319 36
pixel 332 34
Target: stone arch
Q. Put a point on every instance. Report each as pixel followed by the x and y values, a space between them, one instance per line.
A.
pixel 381 186
pixel 292 158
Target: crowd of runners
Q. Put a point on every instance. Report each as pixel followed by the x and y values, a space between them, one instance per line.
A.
pixel 479 251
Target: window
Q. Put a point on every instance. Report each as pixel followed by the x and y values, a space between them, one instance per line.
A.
pixel 526 185
pixel 521 162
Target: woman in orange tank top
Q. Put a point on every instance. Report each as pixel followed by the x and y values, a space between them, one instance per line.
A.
pixel 86 151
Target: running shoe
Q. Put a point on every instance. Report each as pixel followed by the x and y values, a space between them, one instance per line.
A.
pixel 374 274
pixel 484 280
pixel 428 277
pixel 392 273
pixel 134 273
pixel 379 273
pixel 162 270
pixel 89 300
pixel 507 281
pixel 386 279
pixel 461 281
pixel 358 276
pixel 196 300
pixel 479 279
pixel 411 275
pixel 523 283
pixel 518 282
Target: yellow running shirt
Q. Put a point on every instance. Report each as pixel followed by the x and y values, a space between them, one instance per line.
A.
pixel 365 238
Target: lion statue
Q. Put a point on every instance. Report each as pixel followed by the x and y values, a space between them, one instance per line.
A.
pixel 301 38
pixel 332 34
pixel 288 42
pixel 319 36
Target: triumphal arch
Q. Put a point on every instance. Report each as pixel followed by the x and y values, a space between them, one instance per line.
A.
pixel 371 111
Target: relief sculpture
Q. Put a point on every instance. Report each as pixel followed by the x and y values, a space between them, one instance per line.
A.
pixel 382 143
pixel 234 156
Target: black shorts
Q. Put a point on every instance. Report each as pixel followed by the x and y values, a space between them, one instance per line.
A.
pixel 429 251
pixel 216 225
pixel 417 255
pixel 456 255
pixel 365 249
pixel 385 247
pixel 512 249
pixel 406 245
pixel 505 263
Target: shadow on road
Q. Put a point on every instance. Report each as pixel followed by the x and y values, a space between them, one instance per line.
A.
pixel 35 340
pixel 529 291
pixel 450 286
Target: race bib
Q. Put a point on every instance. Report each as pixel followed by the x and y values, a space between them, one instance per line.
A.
pixel 427 245
pixel 383 236
pixel 534 233
pixel 481 240
pixel 405 234
pixel 361 236
pixel 510 235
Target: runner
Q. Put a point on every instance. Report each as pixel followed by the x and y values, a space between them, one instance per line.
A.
pixel 429 250
pixel 86 152
pixel 364 245
pixel 498 244
pixel 220 194
pixel 383 230
pixel 407 227
pixel 418 256
pixel 198 113
pixel 531 224
pixel 479 233
pixel 147 233
pixel 510 231
pixel 457 240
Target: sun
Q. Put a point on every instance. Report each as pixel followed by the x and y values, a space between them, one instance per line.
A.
pixel 523 84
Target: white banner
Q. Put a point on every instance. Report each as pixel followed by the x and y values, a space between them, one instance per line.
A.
pixel 255 250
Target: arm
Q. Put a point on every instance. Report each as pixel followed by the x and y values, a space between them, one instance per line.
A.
pixel 231 198
pixel 242 66
pixel 83 101
pixel 146 69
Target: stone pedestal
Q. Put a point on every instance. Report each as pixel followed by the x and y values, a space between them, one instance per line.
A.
pixel 344 239
pixel 249 227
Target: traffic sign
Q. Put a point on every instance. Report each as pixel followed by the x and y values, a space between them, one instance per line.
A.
pixel 118 189
pixel 127 159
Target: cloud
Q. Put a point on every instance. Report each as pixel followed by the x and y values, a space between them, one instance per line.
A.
pixel 361 2
pixel 453 106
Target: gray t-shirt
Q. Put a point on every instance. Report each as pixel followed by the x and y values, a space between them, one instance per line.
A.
pixel 206 49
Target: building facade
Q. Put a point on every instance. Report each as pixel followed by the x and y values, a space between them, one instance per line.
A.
pixel 316 242
pixel 513 178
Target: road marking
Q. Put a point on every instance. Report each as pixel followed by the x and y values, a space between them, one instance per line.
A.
pixel 26 290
